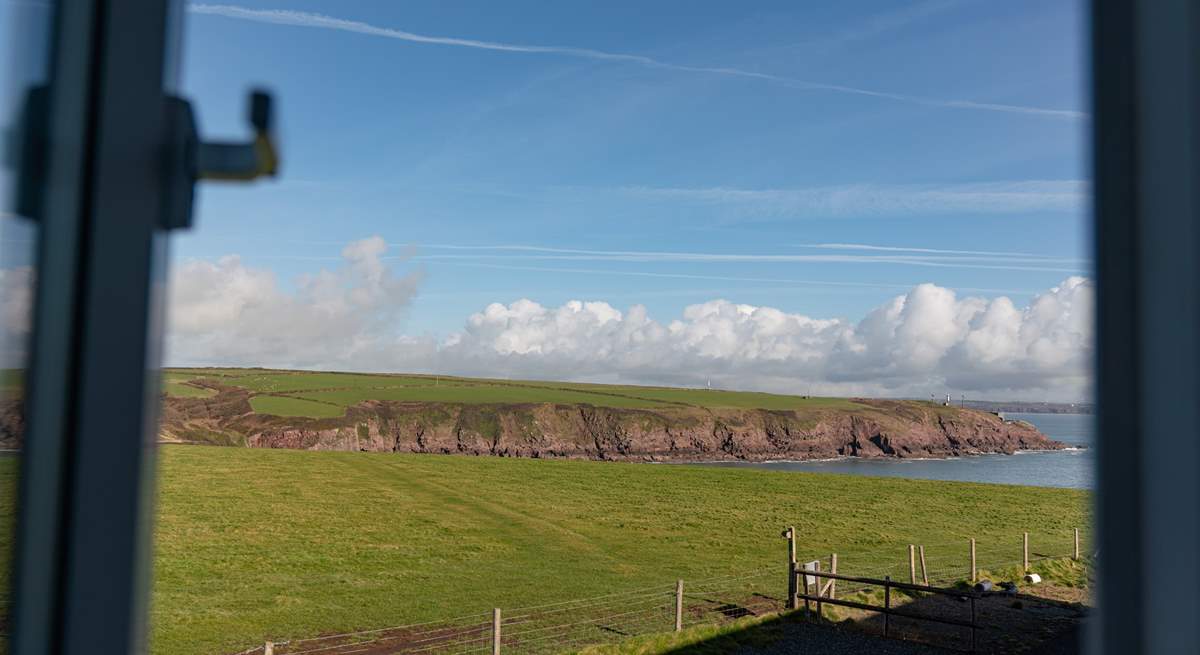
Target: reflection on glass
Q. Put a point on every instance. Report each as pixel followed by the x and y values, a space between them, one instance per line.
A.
pixel 22 50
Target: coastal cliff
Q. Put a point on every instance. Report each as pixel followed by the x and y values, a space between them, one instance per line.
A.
pixel 863 428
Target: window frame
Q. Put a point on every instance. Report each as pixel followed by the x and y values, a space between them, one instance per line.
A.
pixel 81 576
pixel 82 555
pixel 1146 172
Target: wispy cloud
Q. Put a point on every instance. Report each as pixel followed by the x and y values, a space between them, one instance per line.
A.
pixel 453 253
pixel 886 200
pixel 922 257
pixel 519 253
pixel 940 251
pixel 723 278
pixel 882 23
pixel 1004 262
pixel 322 21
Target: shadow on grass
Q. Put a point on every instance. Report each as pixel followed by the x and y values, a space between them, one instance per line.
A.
pixel 796 633
pixel 1005 624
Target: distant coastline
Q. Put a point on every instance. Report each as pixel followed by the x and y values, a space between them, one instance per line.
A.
pixel 1031 407
pixel 844 458
pixel 1069 467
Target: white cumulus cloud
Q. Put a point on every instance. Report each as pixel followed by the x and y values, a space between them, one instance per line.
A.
pixel 16 306
pixel 927 340
pixel 226 312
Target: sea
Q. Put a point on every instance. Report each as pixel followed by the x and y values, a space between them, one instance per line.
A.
pixel 1073 468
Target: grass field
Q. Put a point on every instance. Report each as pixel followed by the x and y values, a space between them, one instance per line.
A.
pixel 182 390
pixel 175 383
pixel 345 389
pixel 256 544
pixel 289 406
pixel 8 516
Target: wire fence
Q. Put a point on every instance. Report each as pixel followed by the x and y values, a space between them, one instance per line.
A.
pixel 948 561
pixel 466 634
pixel 560 626
pixel 568 625
pixel 1002 619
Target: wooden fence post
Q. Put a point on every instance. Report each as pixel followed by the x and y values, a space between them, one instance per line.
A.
pixel 1075 556
pixel 832 581
pixel 1025 551
pixel 974 571
pixel 678 605
pixel 818 585
pixel 912 564
pixel 924 571
pixel 887 604
pixel 792 603
pixel 496 631
pixel 269 648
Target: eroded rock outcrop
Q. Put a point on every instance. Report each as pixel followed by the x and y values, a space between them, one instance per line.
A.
pixel 861 428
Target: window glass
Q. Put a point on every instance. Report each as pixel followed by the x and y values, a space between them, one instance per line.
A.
pixel 23 28
pixel 827 260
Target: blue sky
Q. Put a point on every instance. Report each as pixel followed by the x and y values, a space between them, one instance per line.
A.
pixel 662 155
pixel 433 144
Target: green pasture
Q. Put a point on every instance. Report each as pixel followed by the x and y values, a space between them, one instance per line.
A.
pixel 275 544
pixel 347 389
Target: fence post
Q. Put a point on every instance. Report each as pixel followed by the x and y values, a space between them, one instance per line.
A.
pixel 678 605
pixel 818 581
pixel 924 571
pixel 1025 551
pixel 1076 555
pixel 269 648
pixel 833 581
pixel 912 564
pixel 790 533
pixel 496 631
pixel 974 571
pixel 887 604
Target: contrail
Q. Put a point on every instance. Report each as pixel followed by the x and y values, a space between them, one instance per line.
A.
pixel 928 257
pixel 937 251
pixel 990 261
pixel 322 21
pixel 724 278
pixel 830 259
pixel 888 199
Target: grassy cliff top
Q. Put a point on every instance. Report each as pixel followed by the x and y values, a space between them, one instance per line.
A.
pixel 325 394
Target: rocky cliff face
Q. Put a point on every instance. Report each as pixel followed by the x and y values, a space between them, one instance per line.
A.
pixel 865 428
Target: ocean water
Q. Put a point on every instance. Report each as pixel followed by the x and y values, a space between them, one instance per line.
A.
pixel 1071 468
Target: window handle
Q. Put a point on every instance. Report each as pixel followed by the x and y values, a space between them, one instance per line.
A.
pixel 188 161
pixel 193 160
pixel 242 161
pixel 25 152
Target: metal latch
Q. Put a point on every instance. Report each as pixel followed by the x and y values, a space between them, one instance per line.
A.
pixel 188 159
pixel 192 160
pixel 25 152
